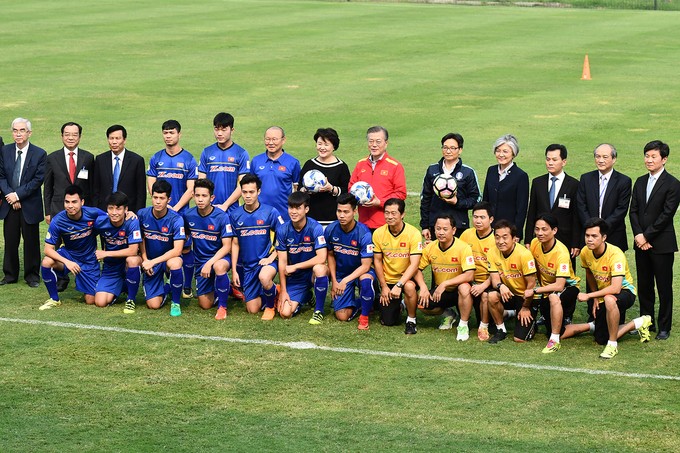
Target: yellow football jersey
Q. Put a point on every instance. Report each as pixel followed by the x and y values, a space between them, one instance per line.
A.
pixel 449 263
pixel 612 263
pixel 554 263
pixel 396 250
pixel 480 250
pixel 514 268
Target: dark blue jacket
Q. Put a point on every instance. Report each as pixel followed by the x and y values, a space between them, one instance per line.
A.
pixel 509 198
pixel 29 189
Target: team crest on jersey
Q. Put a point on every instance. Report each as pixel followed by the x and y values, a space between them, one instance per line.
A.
pixel 231 159
pixel 121 233
pixel 486 249
pixel 454 259
pixel 459 175
pixel 402 244
pixel 605 268
pixel 306 239
pixel 180 164
pixel 551 265
pixel 259 222
pixel 353 242
pixel 618 267
pixel 164 229
pixel 211 227
pixel 384 173
pixel 90 223
pixel 136 234
pixel 513 266
pixel 282 168
pixel 564 268
pixel 531 264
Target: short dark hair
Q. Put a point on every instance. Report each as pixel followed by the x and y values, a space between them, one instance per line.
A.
pixel 557 146
pixel 504 223
pixel 204 183
pixel 297 199
pixel 114 128
pixel 223 119
pixel 348 198
pixel 117 199
pixel 250 178
pixel 71 123
pixel 448 217
pixel 663 148
pixel 597 222
pixel 375 129
pixel 330 135
pixel 453 135
pixel 74 190
pixel 483 206
pixel 162 186
pixel 401 204
pixel 170 125
pixel 548 218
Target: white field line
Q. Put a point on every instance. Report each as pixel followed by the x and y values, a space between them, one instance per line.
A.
pixel 308 345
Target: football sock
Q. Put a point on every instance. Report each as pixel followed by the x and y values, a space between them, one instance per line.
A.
pixel 613 343
pixel 50 280
pixel 188 267
pixel 222 289
pixel 367 295
pixel 462 323
pixel 592 326
pixel 501 326
pixel 509 313
pixel 268 296
pixel 409 319
pixel 555 337
pixel 638 322
pixel 448 312
pixel 483 325
pixel 132 277
pixel 176 285
pixel 320 290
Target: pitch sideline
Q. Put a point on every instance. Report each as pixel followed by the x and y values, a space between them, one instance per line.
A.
pixel 308 345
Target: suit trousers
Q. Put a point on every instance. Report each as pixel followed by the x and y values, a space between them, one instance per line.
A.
pixel 14 227
pixel 659 267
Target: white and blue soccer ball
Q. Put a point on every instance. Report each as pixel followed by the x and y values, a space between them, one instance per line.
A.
pixel 362 191
pixel 445 186
pixel 314 180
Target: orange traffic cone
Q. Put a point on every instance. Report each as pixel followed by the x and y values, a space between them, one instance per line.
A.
pixel 586 69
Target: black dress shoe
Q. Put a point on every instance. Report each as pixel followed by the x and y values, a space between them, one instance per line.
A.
pixel 33 284
pixel 663 335
pixel 6 282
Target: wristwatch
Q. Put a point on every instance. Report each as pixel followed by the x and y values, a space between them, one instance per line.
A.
pixel 498 286
pixel 399 285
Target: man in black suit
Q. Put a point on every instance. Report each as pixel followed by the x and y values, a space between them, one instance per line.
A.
pixel 119 169
pixel 22 172
pixel 655 200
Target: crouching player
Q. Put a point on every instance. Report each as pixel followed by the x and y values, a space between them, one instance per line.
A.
pixel 162 242
pixel 253 255
pixel 121 237
pixel 301 248
pixel 74 227
pixel 211 234
pixel 453 269
pixel 513 272
pixel 350 255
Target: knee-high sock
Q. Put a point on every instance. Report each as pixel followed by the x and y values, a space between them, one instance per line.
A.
pixel 320 290
pixel 367 295
pixel 50 280
pixel 268 296
pixel 176 285
pixel 132 277
pixel 222 289
pixel 188 268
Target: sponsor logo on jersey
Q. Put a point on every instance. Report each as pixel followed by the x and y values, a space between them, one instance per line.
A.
pixel 211 158
pixel 181 231
pixel 618 267
pixel 48 235
pixel 136 234
pixel 222 168
pixel 322 240
pixel 369 248
pixel 170 174
pixel 531 264
pixel 470 260
pixel 160 164
pixel 564 268
pixel 229 230
pixel 192 224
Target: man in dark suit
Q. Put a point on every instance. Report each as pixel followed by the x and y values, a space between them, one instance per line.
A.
pixel 22 172
pixel 119 169
pixel 655 200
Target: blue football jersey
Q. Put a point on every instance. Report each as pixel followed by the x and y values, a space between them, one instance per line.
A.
pixel 117 237
pixel 176 170
pixel 223 167
pixel 348 248
pixel 300 245
pixel 78 236
pixel 207 232
pixel 255 231
pixel 278 177
pixel 160 234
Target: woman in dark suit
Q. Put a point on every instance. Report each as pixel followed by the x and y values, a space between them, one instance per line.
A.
pixel 507 186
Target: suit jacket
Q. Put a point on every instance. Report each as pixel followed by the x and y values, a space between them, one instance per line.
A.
pixel 132 180
pixel 508 198
pixel 569 229
pixel 654 218
pixel 614 205
pixel 57 179
pixel 29 189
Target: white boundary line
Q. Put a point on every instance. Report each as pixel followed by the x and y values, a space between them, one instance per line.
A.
pixel 308 345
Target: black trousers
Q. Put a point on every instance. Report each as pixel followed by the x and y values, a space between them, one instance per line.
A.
pixel 14 228
pixel 659 267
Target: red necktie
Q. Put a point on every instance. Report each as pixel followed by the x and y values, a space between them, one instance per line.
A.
pixel 72 167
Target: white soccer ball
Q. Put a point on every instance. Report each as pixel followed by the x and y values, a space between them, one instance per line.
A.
pixel 314 180
pixel 445 186
pixel 362 191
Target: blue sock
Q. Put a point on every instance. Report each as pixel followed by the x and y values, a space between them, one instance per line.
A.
pixel 132 277
pixel 367 295
pixel 176 285
pixel 320 290
pixel 222 289
pixel 188 267
pixel 268 296
pixel 50 280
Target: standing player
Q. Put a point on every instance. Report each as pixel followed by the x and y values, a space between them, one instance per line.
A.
pixel 350 255
pixel 121 238
pixel 396 255
pixel 74 227
pixel 163 240
pixel 481 240
pixel 301 247
pixel 253 256
pixel 177 166
pixel 453 269
pixel 211 234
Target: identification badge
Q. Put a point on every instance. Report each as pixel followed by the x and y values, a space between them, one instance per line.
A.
pixel 564 203
pixel 83 173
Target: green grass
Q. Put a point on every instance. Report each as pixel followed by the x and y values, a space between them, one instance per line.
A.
pixel 419 70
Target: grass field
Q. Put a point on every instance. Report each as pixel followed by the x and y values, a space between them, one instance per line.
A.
pixel 419 70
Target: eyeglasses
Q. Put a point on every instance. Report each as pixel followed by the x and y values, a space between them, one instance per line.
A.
pixel 450 148
pixel 272 140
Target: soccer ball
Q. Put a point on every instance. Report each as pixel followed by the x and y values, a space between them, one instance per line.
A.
pixel 362 191
pixel 445 186
pixel 314 180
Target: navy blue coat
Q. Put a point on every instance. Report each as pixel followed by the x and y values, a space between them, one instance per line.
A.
pixel 29 189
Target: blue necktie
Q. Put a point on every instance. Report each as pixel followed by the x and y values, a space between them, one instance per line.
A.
pixel 552 193
pixel 116 174
pixel 16 176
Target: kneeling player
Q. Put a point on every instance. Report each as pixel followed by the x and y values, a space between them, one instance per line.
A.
pixel 74 228
pixel 162 242
pixel 453 269
pixel 121 238
pixel 350 255
pixel 301 248
pixel 211 234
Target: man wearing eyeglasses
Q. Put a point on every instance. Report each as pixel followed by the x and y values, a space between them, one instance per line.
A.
pixel 467 194
pixel 22 172
pixel 278 171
